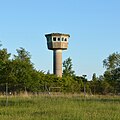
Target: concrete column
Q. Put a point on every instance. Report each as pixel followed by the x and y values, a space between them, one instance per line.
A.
pixel 57 62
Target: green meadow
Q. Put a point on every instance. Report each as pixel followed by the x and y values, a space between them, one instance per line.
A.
pixel 60 107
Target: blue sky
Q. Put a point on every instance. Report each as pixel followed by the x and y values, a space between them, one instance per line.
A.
pixel 94 27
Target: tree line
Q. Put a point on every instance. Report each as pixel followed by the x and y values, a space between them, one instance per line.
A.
pixel 20 75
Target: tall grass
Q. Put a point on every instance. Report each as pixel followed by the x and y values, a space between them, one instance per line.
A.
pixel 64 107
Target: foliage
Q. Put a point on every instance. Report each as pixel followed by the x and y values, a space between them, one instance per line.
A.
pixel 112 62
pixel 67 67
pixel 112 74
pixel 5 65
pixel 20 75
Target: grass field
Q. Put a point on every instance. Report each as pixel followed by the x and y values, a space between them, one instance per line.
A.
pixel 63 107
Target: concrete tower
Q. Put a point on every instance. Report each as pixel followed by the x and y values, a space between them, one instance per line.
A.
pixel 57 42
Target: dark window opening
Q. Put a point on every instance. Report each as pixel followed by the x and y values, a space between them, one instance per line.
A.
pixel 62 39
pixel 54 39
pixel 58 39
pixel 65 39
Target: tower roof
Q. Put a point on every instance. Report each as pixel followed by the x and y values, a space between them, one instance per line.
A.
pixel 57 34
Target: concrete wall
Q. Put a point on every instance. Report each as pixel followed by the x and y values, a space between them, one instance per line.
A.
pixel 57 62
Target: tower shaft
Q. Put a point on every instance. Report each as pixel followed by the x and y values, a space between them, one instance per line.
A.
pixel 57 62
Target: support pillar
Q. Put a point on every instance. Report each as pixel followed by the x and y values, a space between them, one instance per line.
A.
pixel 57 62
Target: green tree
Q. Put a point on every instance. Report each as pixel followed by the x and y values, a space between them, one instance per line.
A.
pixel 37 81
pixel 4 56
pixel 67 67
pixel 116 77
pixel 112 73
pixel 4 62
pixel 23 69
pixel 5 72
pixel 112 62
pixel 23 55
pixel 80 83
pixel 94 83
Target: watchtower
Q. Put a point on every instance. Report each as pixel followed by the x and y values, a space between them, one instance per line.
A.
pixel 57 42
